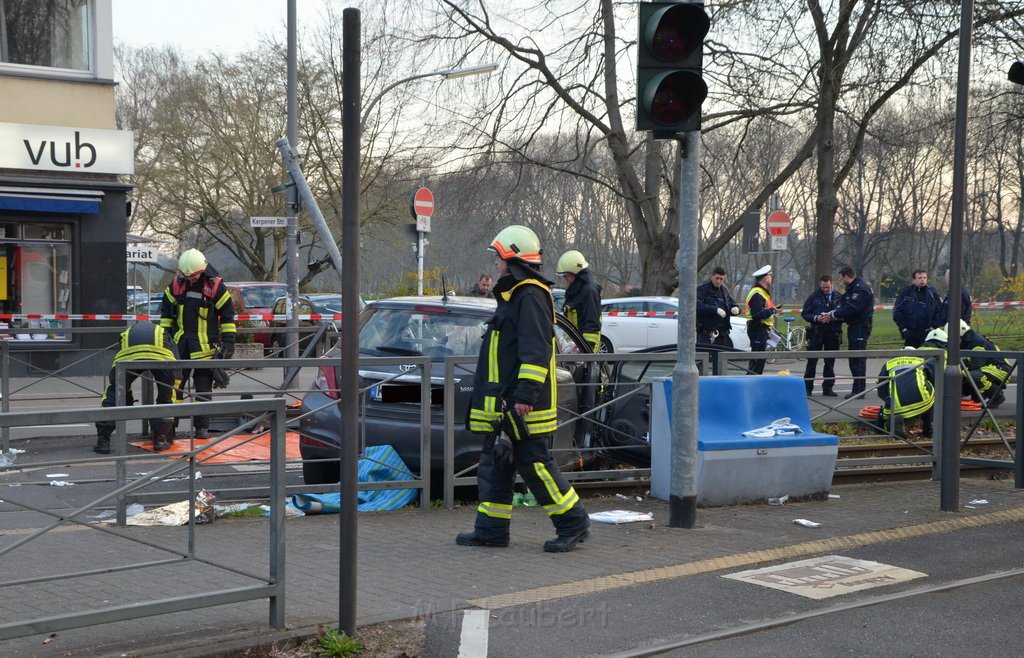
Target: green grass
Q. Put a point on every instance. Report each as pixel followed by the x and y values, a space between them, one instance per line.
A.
pixel 1003 326
pixel 337 644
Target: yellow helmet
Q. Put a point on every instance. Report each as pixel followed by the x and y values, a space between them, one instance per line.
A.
pixel 191 261
pixel 571 262
pixel 517 242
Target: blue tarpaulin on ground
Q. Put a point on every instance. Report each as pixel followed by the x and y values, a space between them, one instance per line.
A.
pixel 381 464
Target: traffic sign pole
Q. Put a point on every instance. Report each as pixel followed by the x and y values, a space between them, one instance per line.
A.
pixel 422 209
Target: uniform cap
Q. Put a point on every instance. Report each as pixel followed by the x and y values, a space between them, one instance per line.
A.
pixel 764 271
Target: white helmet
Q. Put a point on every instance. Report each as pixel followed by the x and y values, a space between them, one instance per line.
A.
pixel 937 336
pixel 191 262
pixel 964 328
pixel 517 242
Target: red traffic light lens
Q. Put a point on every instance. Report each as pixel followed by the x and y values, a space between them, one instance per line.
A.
pixel 674 97
pixel 676 31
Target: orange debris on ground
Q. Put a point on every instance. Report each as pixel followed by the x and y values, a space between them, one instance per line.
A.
pixel 237 448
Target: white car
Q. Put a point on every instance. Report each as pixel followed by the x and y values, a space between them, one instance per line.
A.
pixel 635 323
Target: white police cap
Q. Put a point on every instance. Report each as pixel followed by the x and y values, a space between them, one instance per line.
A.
pixel 764 271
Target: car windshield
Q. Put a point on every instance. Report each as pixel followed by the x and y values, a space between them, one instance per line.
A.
pixel 326 304
pixel 421 331
pixel 262 296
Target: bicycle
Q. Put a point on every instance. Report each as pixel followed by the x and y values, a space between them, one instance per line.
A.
pixel 794 340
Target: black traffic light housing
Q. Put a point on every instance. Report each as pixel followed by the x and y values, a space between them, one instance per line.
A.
pixel 1016 74
pixel 670 56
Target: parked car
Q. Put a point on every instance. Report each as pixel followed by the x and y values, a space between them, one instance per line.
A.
pixel 625 333
pixel 327 303
pixel 149 307
pixel 257 298
pixel 436 327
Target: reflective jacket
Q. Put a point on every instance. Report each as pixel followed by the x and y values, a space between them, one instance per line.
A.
pixel 583 307
pixel 910 387
pixel 146 341
pixel 709 300
pixel 972 341
pixel 760 307
pixel 517 356
pixel 200 315
pixel 917 308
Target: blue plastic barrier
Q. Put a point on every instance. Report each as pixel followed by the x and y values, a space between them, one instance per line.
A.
pixel 732 468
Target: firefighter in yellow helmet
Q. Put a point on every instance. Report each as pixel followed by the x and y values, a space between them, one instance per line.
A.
pixel 515 402
pixel 144 341
pixel 582 297
pixel 198 311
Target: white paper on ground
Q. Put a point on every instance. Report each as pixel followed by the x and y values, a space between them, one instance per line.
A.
pixel 620 516
pixel 807 524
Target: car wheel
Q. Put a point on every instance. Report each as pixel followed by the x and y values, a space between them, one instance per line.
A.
pixel 321 472
pixel 606 346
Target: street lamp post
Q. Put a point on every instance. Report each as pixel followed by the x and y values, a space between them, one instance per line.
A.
pixel 445 74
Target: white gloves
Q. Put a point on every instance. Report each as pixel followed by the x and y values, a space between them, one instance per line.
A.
pixel 721 312
pixel 735 310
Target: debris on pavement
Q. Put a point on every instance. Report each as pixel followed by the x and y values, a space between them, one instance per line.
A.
pixel 778 502
pixel 806 523
pixel 619 516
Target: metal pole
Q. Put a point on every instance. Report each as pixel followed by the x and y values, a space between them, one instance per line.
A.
pixel 348 452
pixel 950 457
pixel 419 263
pixel 292 230
pixel 685 382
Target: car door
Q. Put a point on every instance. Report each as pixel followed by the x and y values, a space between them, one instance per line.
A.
pixel 626 333
pixel 662 329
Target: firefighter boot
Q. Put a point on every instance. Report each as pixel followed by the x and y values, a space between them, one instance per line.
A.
pixel 163 434
pixel 489 531
pixel 102 446
pixel 574 528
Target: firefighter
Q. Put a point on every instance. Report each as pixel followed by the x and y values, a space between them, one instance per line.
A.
pixel 197 309
pixel 582 297
pixel 144 341
pixel 760 315
pixel 515 402
pixel 907 391
pixel 988 374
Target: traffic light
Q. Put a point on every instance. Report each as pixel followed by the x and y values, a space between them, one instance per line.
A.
pixel 669 85
pixel 1016 74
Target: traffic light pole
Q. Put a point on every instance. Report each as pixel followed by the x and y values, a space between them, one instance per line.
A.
pixel 685 382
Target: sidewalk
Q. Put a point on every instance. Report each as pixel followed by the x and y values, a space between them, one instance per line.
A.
pixel 409 565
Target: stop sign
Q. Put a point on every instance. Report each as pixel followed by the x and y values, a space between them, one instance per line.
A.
pixel 422 203
pixel 779 223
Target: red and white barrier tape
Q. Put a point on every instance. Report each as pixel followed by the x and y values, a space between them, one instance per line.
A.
pixel 885 307
pixel 142 316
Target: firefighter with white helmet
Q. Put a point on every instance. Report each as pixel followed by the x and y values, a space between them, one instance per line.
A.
pixel 515 402
pixel 582 296
pixel 985 377
pixel 198 311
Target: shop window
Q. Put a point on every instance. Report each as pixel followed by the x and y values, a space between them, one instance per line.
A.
pixel 51 33
pixel 35 278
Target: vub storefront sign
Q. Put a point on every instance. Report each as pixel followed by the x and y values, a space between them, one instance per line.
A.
pixel 63 148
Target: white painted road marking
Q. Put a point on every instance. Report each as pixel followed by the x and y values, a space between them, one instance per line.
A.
pixel 473 643
pixel 826 576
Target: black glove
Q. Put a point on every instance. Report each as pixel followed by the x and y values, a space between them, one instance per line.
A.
pixel 502 451
pixel 221 379
pixel 227 347
pixel 514 425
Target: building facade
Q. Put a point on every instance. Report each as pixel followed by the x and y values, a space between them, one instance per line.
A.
pixel 64 195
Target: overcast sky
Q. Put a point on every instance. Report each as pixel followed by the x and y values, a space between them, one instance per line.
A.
pixel 202 26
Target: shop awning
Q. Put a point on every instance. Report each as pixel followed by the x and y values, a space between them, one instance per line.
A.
pixel 54 200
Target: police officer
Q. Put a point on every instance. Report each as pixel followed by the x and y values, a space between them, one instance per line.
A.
pixel 714 306
pixel 514 391
pixel 856 308
pixel 916 311
pixel 822 335
pixel 907 391
pixel 965 305
pixel 144 341
pixel 197 309
pixel 761 314
pixel 582 297
pixel 988 374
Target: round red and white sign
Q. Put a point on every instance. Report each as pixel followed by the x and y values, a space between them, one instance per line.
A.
pixel 422 203
pixel 779 223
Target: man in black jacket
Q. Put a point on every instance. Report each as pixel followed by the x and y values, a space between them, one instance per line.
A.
pixel 916 311
pixel 514 402
pixel 582 297
pixel 856 309
pixel 714 307
pixel 822 335
pixel 965 305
